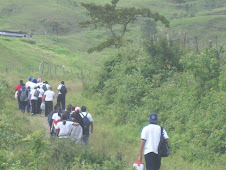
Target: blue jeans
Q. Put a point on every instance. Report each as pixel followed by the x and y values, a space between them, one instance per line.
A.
pixel 85 139
pixel 28 107
pixel 23 105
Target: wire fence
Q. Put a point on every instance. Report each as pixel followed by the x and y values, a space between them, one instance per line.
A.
pixel 49 70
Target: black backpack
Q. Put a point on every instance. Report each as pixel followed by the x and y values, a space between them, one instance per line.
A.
pixel 44 87
pixel 36 93
pixel 63 89
pixel 163 148
pixel 86 124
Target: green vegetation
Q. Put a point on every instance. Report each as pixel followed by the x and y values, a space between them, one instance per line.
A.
pixel 186 88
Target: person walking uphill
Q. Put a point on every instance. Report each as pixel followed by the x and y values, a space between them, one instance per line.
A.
pixel 87 121
pixel 17 88
pixel 62 90
pixel 150 138
pixel 33 100
pixel 48 98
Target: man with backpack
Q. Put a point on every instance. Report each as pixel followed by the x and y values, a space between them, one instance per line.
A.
pixel 33 100
pixel 23 98
pixel 17 88
pixel 87 121
pixel 62 90
pixel 39 102
pixel 150 139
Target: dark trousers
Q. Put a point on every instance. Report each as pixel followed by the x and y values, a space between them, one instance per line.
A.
pixel 23 105
pixel 48 107
pixel 19 103
pixel 61 100
pixel 34 106
pixel 38 105
pixel 153 162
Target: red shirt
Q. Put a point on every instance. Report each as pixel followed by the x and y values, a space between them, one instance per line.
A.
pixel 18 87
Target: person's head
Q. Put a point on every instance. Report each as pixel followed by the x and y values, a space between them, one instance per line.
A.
pixel 50 88
pixel 55 107
pixel 72 108
pixel 83 108
pixel 59 111
pixel 30 79
pixel 67 113
pixel 73 117
pixel 28 88
pixel 64 117
pixel 39 80
pixel 21 82
pixel 69 107
pixel 153 118
pixel 34 81
pixel 62 82
pixel 46 82
pixel 77 109
pixel 35 87
pixel 38 87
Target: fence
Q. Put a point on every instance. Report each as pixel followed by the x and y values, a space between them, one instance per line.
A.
pixel 189 41
pixel 49 70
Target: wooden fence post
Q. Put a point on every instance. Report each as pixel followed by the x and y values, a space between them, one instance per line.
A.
pixel 216 41
pixel 196 42
pixel 184 40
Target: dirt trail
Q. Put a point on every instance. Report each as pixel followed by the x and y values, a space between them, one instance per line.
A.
pixel 39 122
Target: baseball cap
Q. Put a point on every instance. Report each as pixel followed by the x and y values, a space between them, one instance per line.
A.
pixel 153 118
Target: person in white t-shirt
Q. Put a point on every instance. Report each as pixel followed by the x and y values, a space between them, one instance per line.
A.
pixel 56 119
pixel 30 83
pixel 62 90
pixel 64 127
pixel 48 98
pixel 86 131
pixel 33 100
pixel 150 138
pixel 39 102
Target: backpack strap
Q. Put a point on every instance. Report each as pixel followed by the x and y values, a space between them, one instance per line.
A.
pixel 161 130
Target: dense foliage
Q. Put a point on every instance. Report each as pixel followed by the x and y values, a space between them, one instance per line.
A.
pixel 187 90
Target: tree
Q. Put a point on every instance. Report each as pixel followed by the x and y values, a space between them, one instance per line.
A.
pixel 116 20
pixel 148 28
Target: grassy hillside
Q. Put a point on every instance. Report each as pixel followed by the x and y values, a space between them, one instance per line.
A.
pixel 56 23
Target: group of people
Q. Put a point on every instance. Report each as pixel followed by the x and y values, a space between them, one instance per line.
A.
pixel 37 95
pixel 74 123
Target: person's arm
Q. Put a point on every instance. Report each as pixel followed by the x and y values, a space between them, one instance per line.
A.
pixel 44 98
pixel 52 126
pixel 141 150
pixel 30 99
pixel 91 123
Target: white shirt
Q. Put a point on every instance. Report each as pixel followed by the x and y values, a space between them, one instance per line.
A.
pixel 151 134
pixel 49 95
pixel 65 130
pixel 56 117
pixel 88 116
pixel 40 84
pixel 41 92
pixel 32 95
pixel 31 84
pixel 59 87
